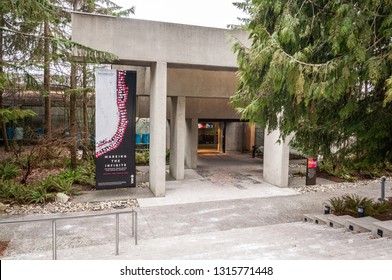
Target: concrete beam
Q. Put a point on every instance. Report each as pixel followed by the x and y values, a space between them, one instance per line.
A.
pixel 276 160
pixel 158 128
pixel 177 137
pixel 141 41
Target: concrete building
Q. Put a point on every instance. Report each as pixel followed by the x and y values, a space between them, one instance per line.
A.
pixel 185 74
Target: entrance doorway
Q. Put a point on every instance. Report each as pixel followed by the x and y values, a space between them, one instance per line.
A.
pixel 210 137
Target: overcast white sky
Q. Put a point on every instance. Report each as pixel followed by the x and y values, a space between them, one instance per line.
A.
pixel 212 13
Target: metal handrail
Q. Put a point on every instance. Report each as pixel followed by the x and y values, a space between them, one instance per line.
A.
pixel 53 220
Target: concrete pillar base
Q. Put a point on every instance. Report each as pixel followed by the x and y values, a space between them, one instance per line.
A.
pixel 276 160
pixel 177 137
pixel 191 144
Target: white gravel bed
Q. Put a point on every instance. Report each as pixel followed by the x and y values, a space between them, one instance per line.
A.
pixel 68 207
pixel 338 186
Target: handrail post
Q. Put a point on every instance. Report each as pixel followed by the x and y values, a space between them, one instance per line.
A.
pixel 133 223
pixel 117 234
pixel 382 198
pixel 54 241
pixel 135 228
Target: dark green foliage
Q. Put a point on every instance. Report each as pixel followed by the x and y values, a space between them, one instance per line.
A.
pixel 348 204
pixel 380 208
pixel 39 195
pixel 321 69
pixel 353 201
pixel 142 157
pixel 14 114
pixel 55 184
pixel 83 175
pixel 8 170
pixel 11 191
pixel 338 205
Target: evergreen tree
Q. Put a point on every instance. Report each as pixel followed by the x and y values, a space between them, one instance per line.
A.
pixel 35 36
pixel 18 22
pixel 323 70
pixel 106 7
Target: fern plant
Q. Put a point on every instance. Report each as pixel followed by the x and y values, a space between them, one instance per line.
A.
pixel 8 171
pixel 338 205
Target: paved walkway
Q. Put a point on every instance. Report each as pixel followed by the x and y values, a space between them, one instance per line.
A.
pixel 223 210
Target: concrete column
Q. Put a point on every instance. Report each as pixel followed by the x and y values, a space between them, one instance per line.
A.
pixel 168 135
pixel 191 144
pixel 276 160
pixel 158 128
pixel 177 137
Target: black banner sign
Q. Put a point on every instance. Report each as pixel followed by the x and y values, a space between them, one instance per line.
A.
pixel 311 171
pixel 115 129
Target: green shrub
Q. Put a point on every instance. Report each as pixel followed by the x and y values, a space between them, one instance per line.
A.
pixel 353 201
pixel 337 205
pixel 142 157
pixel 87 170
pixel 55 184
pixel 67 187
pixel 8 170
pixel 39 195
pixel 81 175
pixel 380 208
pixel 11 191
pixel 348 204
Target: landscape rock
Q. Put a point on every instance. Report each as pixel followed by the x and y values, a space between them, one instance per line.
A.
pixel 62 197
pixel 3 207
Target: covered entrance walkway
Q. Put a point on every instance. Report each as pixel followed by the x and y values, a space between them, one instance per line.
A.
pixel 184 74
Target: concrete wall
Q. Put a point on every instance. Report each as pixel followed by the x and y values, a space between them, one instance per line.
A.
pixel 196 108
pixel 188 82
pixel 234 136
pixel 142 41
pixel 207 91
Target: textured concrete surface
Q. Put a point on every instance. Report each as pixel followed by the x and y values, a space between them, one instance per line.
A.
pixel 226 226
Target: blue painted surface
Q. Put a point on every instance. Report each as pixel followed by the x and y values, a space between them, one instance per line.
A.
pixel 146 138
pixel 138 139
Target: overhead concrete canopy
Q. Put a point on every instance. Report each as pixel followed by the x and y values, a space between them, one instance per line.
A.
pixel 143 42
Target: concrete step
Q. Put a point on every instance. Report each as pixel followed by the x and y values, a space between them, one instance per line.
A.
pixel 321 219
pixel 282 241
pixel 308 218
pixel 382 229
pixel 337 221
pixel 354 225
pixel 317 219
pixel 376 248
pixel 364 224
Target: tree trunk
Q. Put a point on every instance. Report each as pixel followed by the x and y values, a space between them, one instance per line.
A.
pixel 72 117
pixel 47 97
pixel 86 133
pixel 2 124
